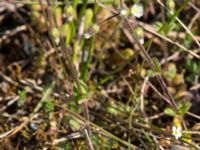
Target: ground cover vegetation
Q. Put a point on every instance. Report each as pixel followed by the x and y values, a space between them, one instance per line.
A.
pixel 100 74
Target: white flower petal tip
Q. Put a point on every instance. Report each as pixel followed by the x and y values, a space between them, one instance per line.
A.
pixel 141 41
pixel 123 12
pixel 176 131
pixel 137 10
pixel 87 35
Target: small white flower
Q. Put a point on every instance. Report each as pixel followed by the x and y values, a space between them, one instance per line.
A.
pixel 141 41
pixel 123 12
pixel 87 35
pixel 92 31
pixel 137 10
pixel 176 131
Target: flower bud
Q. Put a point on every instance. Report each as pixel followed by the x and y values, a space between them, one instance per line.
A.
pixel 92 31
pixel 56 35
pixel 139 33
pixel 70 12
pixel 170 5
pixel 88 18
pixel 57 14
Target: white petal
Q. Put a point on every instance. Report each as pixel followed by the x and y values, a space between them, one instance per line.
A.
pixel 178 129
pixel 176 136
pixel 179 134
pixel 141 41
pixel 123 12
pixel 137 10
pixel 87 35
pixel 174 129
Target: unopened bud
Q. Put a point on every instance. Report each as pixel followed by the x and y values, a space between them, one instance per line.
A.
pixel 88 18
pixel 70 12
pixel 170 5
pixel 56 35
pixel 92 31
pixel 139 34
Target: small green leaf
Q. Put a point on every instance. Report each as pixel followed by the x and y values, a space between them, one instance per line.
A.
pixel 45 97
pixel 112 111
pixel 187 137
pixel 156 64
pixel 169 27
pixel 151 73
pixel 74 124
pixel 184 107
pixel 158 26
pixel 22 98
pixel 171 71
pixel 49 107
pixel 170 112
pixel 106 79
pixel 68 146
pixel 73 106
pixel 188 40
pixel 79 95
pixel 192 66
